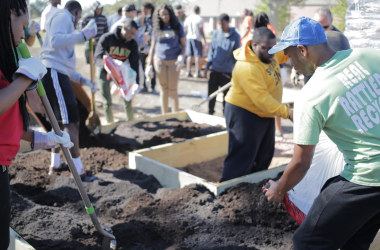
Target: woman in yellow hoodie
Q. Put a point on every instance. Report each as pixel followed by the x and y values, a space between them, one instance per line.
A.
pixel 252 102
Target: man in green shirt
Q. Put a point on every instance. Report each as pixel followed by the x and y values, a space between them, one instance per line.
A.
pixel 342 99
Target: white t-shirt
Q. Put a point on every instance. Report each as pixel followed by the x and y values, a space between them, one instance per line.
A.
pixel 193 25
pixel 46 14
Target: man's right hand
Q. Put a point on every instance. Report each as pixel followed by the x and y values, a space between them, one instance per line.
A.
pixel 90 30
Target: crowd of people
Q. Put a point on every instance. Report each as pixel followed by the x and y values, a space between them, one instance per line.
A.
pixel 340 98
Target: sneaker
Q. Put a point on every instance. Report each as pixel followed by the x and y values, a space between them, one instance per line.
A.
pixel 143 90
pixel 88 177
pixel 188 74
pixel 62 167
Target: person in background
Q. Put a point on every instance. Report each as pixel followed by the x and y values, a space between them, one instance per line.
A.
pixel 114 18
pixel 262 20
pixel 48 12
pixel 220 58
pixel 252 102
pixel 324 17
pixel 58 55
pixel 194 35
pixel 101 24
pixel 246 30
pixel 340 99
pixel 167 53
pixel 180 13
pixel 119 45
pixel 145 30
pixel 17 76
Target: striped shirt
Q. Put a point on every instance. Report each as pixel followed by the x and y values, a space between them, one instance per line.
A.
pixel 101 23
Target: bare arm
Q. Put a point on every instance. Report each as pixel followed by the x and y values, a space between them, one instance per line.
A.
pixel 203 35
pixel 293 174
pixel 10 94
pixel 151 53
pixel 28 135
pixel 182 40
pixel 30 40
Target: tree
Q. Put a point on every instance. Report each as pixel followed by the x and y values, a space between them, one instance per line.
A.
pixel 36 8
pixel 278 11
pixel 339 14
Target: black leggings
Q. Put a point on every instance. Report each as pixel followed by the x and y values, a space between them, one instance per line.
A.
pixel 5 208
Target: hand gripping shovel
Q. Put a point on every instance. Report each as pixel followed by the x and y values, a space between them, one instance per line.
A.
pixel 211 96
pixel 89 207
pixel 93 121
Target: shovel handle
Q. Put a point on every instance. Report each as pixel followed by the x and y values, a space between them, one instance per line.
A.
pixel 45 101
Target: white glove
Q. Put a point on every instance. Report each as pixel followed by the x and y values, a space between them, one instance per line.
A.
pixel 86 81
pixel 51 140
pixel 90 30
pixel 32 68
pixel 33 28
pixel 149 74
pixel 180 62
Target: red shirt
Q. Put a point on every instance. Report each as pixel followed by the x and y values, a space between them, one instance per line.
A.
pixel 11 129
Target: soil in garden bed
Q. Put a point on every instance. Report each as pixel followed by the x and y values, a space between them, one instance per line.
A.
pixel 48 212
pixel 212 170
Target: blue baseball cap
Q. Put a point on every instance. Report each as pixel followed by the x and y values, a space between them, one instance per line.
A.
pixel 302 31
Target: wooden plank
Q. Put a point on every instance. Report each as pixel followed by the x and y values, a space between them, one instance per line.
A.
pixel 17 242
pixel 174 178
pixel 376 242
pixel 195 150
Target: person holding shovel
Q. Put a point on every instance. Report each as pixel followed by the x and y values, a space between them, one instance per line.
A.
pixel 58 56
pixel 221 58
pixel 252 102
pixel 17 75
pixel 119 45
pixel 342 99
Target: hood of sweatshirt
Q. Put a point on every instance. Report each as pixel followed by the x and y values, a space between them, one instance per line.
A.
pixel 245 53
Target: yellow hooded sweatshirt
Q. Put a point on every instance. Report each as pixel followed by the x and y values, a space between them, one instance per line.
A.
pixel 257 86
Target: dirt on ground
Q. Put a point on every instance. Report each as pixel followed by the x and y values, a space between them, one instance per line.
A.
pixel 48 212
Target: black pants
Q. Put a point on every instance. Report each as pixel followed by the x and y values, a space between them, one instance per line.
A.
pixel 153 81
pixel 250 142
pixel 217 79
pixel 5 208
pixel 344 216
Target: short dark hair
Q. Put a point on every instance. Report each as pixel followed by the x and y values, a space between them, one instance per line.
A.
pixel 197 9
pixel 224 17
pixel 178 7
pixel 261 34
pixel 148 6
pixel 72 6
pixel 261 20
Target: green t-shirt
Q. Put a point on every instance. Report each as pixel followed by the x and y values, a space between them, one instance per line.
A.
pixel 343 99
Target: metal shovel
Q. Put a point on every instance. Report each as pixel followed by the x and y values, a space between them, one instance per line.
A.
pixel 197 107
pixel 88 206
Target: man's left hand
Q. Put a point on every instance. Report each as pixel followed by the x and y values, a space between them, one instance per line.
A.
pixel 273 194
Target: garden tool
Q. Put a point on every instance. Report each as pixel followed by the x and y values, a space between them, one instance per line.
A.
pixel 93 121
pixel 211 96
pixel 53 120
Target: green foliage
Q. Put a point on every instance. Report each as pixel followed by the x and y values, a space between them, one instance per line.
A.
pixel 280 8
pixel 36 8
pixel 339 14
